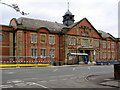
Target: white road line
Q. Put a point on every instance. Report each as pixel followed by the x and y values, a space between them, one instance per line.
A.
pixel 21 84
pixel 68 75
pixel 52 80
pixel 73 69
pixel 55 70
pixel 40 85
pixel 42 81
pixel 17 81
pixel 10 72
pixel 6 86
pixel 89 68
pixel 73 78
pixel 53 76
pixel 32 83
pixel 62 76
pixel 64 79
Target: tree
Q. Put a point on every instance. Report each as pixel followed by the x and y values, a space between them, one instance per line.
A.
pixel 15 6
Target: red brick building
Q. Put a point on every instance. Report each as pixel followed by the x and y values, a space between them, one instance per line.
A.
pixel 67 43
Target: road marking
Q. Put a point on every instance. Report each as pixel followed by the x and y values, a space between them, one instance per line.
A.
pixel 69 75
pixel 64 79
pixel 62 76
pixel 30 83
pixel 89 68
pixel 42 81
pixel 17 81
pixel 86 79
pixel 21 84
pixel 33 83
pixel 29 78
pixel 8 82
pixel 6 86
pixel 73 69
pixel 73 78
pixel 55 70
pixel 107 79
pixel 10 72
pixel 52 80
pixel 40 85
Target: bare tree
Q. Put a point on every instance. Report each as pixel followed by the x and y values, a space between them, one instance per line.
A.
pixel 15 6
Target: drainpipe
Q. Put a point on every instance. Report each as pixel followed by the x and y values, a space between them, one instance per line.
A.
pixel 59 49
pixel 25 46
pixel 13 44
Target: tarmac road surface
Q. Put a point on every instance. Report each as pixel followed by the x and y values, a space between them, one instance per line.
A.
pixel 55 77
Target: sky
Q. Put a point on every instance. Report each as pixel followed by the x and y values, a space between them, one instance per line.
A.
pixel 103 14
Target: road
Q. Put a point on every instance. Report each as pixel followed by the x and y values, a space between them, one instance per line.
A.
pixel 55 77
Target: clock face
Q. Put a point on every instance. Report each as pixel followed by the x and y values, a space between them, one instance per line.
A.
pixel 1 37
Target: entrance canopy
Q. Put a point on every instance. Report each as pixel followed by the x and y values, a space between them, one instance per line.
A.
pixel 87 48
pixel 79 54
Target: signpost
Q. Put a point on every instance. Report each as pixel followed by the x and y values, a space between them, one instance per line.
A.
pixel 50 60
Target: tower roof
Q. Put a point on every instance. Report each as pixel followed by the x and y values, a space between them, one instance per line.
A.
pixel 68 13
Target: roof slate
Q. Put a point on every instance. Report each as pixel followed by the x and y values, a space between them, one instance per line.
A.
pixel 52 26
pixel 105 35
pixel 34 23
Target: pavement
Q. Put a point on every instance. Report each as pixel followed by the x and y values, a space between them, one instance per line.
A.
pixel 111 82
pixel 76 65
pixel 105 80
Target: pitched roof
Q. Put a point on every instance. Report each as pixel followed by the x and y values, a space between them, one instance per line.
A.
pixel 105 35
pixel 35 23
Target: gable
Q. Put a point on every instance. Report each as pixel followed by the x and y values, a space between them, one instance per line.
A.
pixel 84 27
pixel 13 23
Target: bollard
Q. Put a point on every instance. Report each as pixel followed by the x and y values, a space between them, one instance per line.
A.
pixel 117 71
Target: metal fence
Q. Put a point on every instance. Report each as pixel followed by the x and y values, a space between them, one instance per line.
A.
pixel 29 60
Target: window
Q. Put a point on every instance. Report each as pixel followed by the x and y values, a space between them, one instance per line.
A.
pixel 15 38
pixel 109 54
pixel 113 45
pixel 79 41
pixel 97 55
pixel 85 33
pixel 71 40
pixel 104 55
pixel 42 39
pixel 108 45
pixel 42 53
pixel 33 38
pixel 85 42
pixel 52 53
pixel 72 51
pixel 104 44
pixel 90 42
pixel 113 55
pixel 96 43
pixel 1 37
pixel 52 40
pixel 34 52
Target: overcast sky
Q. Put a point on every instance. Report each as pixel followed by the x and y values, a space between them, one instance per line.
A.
pixel 103 14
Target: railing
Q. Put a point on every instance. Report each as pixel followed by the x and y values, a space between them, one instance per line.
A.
pixel 18 61
pixel 29 60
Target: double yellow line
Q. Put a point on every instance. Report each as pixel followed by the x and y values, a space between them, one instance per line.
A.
pixel 23 65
